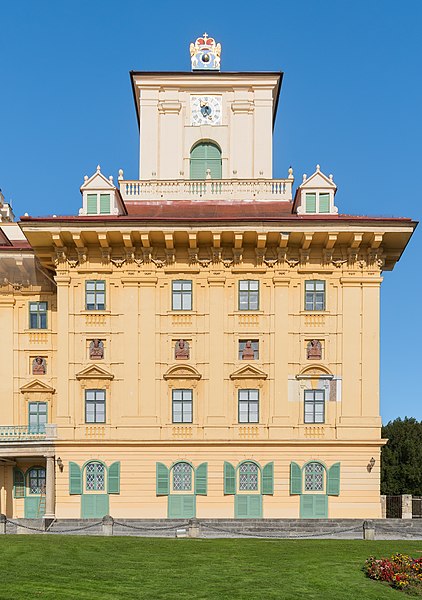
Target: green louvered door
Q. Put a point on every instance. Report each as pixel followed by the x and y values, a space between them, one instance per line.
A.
pixel 34 507
pixel 205 156
pixel 248 506
pixel 94 506
pixel 313 506
pixel 181 506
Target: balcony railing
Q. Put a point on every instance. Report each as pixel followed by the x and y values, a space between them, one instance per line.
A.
pixel 24 433
pixel 221 189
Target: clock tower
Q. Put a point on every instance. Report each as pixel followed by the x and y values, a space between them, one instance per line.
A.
pixel 205 124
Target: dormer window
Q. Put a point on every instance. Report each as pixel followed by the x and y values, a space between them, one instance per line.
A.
pixel 317 202
pixel 98 204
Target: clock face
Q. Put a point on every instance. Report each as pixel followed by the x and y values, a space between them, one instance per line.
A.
pixel 205 110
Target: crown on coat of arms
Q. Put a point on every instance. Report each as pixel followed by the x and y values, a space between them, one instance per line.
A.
pixel 205 54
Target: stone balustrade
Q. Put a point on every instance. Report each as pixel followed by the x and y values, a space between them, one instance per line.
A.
pixel 24 433
pixel 221 189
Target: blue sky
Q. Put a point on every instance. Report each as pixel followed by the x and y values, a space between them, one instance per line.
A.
pixel 351 100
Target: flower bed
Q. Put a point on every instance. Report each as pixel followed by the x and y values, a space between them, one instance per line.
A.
pixel 402 572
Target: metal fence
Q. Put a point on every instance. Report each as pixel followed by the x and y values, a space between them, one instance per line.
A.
pixel 394 507
pixel 416 507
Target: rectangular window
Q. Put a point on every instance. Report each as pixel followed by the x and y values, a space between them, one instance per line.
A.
pixel 37 416
pixel 311 203
pixel 182 406
pixel 95 295
pixel 248 349
pixel 248 406
pixel 91 204
pixel 104 204
pixel 315 295
pixel 248 294
pixel 94 406
pixel 181 294
pixel 314 406
pixel 38 315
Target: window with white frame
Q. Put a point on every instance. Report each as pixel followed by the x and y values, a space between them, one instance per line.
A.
pixel 182 477
pixel 248 477
pixel 95 294
pixel 95 406
pixel 248 406
pixel 181 294
pixel 314 406
pixel 315 295
pixel 95 477
pixel 317 202
pixel 182 406
pixel 38 315
pixel 314 477
pixel 249 294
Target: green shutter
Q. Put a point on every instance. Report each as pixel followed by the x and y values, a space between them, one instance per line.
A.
pixel 295 479
pixel 205 156
pixel 333 480
pixel 181 506
pixel 310 203
pixel 324 203
pixel 248 506
pixel 18 483
pixel 307 506
pixel 75 479
pixel 320 506
pixel 114 478
pixel 104 204
pixel 94 506
pixel 268 479
pixel 162 480
pixel 229 479
pixel 91 204
pixel 201 479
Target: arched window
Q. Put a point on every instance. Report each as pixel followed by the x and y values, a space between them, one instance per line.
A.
pixel 182 477
pixel 204 156
pixel 36 480
pixel 248 477
pixel 314 477
pixel 95 477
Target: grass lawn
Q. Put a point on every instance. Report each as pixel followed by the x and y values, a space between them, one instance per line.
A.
pixel 66 567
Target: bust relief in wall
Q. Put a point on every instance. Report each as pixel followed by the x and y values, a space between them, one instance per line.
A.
pixel 39 366
pixel 96 349
pixel 181 351
pixel 314 350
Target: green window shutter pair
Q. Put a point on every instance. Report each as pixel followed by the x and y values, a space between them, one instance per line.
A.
pixel 18 483
pixel 163 480
pixel 181 506
pixel 205 156
pixel 75 479
pixel 248 506
pixel 230 479
pixel 91 204
pixel 333 480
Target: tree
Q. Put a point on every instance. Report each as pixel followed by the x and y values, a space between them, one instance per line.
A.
pixel 401 457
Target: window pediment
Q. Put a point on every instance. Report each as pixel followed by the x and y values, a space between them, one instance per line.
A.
pixel 37 386
pixel 94 372
pixel 315 371
pixel 248 372
pixel 182 372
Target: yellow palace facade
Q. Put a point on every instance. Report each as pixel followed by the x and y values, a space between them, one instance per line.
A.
pixel 199 341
